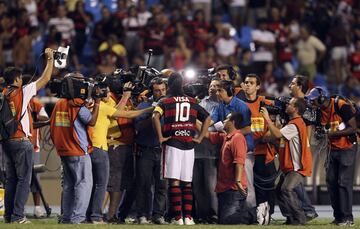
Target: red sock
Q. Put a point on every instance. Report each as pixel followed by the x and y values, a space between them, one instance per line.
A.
pixel 187 198
pixel 175 199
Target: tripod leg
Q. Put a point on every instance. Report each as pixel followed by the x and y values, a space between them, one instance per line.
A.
pixel 37 184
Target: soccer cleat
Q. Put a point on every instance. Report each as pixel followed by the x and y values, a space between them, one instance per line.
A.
pixel 189 221
pixel 22 221
pixel 160 220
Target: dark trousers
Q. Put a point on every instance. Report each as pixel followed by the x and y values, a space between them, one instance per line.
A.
pixel 149 172
pixel 232 208
pixel 129 184
pixel 339 180
pixel 19 160
pixel 287 198
pixel 204 182
pixel 100 172
pixel 264 185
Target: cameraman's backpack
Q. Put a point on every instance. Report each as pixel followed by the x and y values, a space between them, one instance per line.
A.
pixel 8 123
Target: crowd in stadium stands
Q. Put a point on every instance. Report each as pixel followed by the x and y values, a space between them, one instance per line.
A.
pixel 272 38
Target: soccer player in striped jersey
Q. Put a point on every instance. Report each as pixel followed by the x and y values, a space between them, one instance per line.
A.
pixel 177 135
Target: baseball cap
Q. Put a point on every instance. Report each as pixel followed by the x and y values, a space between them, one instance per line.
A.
pixel 315 93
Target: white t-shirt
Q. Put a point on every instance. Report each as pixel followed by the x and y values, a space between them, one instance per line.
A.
pixel 29 91
pixel 225 47
pixel 262 53
pixel 290 132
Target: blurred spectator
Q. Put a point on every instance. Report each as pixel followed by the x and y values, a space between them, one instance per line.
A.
pixel 181 55
pixel 256 9
pixel 64 25
pixel 108 64
pixel 132 24
pixel 114 48
pixel 237 9
pixel 82 19
pixel 354 60
pixel 245 64
pixel 153 38
pixel 351 89
pixel 198 30
pixel 107 25
pixel 205 6
pixel 226 46
pixel 310 50
pixel 122 6
pixel 7 38
pixel 31 9
pixel 143 14
pixel 338 43
pixel 264 43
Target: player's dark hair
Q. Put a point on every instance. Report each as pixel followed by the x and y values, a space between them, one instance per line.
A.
pixel 175 85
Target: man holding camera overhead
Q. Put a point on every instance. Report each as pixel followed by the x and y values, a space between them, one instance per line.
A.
pixel 18 148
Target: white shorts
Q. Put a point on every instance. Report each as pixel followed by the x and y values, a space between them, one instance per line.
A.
pixel 177 164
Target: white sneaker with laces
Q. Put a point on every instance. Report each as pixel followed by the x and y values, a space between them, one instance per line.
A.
pixel 178 222
pixel 260 213
pixel 267 213
pixel 189 221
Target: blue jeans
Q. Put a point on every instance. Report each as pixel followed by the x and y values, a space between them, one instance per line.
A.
pixel 18 157
pixel 100 172
pixel 305 200
pixel 76 190
pixel 232 208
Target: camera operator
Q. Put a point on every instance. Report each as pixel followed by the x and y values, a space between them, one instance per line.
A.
pixel 70 124
pixel 264 152
pixel 180 113
pixel 99 156
pixel 339 117
pixel 206 155
pixel 227 72
pixel 120 139
pixel 298 87
pixel 18 148
pixel 295 159
pixel 229 103
pixel 149 166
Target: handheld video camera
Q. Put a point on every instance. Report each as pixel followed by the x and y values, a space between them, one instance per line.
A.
pixel 60 56
pixel 198 81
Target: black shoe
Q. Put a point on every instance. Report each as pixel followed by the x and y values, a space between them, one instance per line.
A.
pixel 310 217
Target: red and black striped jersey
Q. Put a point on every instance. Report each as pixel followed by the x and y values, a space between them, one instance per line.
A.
pixel 179 116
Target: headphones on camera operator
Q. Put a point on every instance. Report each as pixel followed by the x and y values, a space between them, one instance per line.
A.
pixel 230 69
pixel 229 87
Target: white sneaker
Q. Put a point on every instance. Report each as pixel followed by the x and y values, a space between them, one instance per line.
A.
pixel 38 212
pixel 143 220
pixel 178 222
pixel 267 214
pixel 189 221
pixel 260 213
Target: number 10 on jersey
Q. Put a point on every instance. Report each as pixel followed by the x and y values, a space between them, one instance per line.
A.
pixel 182 112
